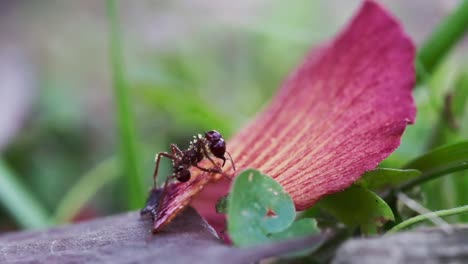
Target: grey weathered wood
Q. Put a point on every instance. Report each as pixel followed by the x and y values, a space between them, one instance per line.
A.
pixel 125 238
pixel 117 239
pixel 419 246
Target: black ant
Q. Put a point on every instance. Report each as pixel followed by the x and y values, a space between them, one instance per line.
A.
pixel 211 144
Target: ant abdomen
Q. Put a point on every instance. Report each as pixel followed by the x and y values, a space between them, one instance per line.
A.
pixel 182 174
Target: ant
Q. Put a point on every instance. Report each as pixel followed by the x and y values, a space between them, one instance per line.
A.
pixel 211 144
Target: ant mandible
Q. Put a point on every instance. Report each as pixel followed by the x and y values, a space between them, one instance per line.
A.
pixel 212 144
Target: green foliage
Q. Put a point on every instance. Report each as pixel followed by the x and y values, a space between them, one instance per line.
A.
pixel 440 161
pixel 259 210
pixel 451 127
pixel 358 207
pixel 448 33
pixel 450 160
pixel 459 98
pixel 189 109
pixel 385 177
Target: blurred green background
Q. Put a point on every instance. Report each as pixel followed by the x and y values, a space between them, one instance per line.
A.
pixel 190 66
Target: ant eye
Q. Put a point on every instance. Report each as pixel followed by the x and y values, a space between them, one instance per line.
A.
pixel 213 136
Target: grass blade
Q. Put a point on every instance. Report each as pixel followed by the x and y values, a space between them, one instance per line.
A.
pixel 424 217
pixel 447 34
pixel 86 187
pixel 438 162
pixel 19 201
pixel 126 125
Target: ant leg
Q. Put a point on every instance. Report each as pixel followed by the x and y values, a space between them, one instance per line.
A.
pixel 176 150
pixel 205 151
pixel 217 170
pixel 158 159
pixel 232 162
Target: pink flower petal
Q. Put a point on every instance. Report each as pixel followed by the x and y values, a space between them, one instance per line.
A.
pixel 338 115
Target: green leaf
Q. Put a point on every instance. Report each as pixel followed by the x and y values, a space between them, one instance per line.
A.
pixel 383 177
pixel 438 162
pixel 358 206
pixel 257 206
pixel 306 226
pixel 259 211
pixel 302 227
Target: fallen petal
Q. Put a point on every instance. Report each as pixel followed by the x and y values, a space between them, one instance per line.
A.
pixel 338 115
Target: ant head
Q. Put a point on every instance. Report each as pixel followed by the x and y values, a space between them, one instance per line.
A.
pixel 182 174
pixel 213 136
pixel 216 144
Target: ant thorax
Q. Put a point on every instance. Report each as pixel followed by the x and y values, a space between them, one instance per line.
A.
pixel 201 145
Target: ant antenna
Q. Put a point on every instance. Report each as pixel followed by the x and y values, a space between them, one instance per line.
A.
pixel 232 162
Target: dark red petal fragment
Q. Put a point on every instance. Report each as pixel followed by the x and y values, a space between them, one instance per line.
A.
pixel 176 197
pixel 338 115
